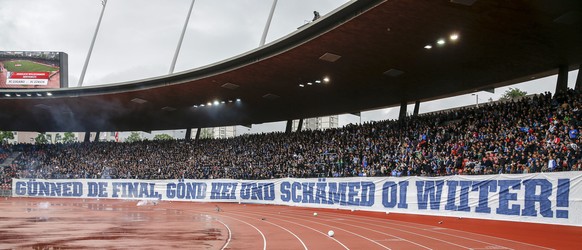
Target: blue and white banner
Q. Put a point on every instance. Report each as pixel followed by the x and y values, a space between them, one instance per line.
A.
pixel 553 198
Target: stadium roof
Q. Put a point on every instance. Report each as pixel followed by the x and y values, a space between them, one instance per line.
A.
pixel 373 53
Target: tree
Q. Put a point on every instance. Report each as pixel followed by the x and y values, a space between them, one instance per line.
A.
pixel 6 135
pixel 133 137
pixel 163 137
pixel 68 137
pixel 41 139
pixel 512 93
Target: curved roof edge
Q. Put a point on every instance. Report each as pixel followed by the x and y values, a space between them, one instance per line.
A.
pixel 303 34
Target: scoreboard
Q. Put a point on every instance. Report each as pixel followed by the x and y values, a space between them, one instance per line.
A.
pixel 33 70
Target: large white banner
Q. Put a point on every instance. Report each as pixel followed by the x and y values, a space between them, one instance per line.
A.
pixel 553 198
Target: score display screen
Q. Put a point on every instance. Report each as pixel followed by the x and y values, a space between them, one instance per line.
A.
pixel 33 70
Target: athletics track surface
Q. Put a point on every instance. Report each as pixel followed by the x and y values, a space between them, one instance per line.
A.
pixel 27 223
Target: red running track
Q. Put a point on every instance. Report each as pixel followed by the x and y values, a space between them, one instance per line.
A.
pixel 27 223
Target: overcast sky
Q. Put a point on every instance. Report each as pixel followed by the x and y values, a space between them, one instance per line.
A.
pixel 137 39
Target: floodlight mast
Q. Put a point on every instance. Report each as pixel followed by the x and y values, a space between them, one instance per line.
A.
pixel 268 24
pixel 181 38
pixel 82 78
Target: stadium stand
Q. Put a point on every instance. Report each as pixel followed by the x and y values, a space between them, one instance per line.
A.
pixel 4 152
pixel 536 134
pixel 3 157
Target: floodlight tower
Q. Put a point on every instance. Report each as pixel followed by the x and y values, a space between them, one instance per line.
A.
pixel 173 65
pixel 104 3
pixel 266 30
pixel 181 38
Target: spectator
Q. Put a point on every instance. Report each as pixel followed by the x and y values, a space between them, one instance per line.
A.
pixel 315 15
pixel 533 134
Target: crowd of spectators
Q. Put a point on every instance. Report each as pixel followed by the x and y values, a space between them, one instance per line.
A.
pixel 4 176
pixel 534 134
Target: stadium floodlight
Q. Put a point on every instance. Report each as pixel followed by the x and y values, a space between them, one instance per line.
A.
pixel 454 37
pixel 49 94
pixel 238 99
pixel 209 104
pixel 82 77
pixel 301 85
pixel 18 95
pixel 202 105
pixel 195 106
pixel 266 30
pixel 326 79
pixel 317 81
pixel 309 83
pixel 7 95
pixel 441 42
pixel 223 102
pixel 29 95
pixel 428 46
pixel 216 103
pixel 181 39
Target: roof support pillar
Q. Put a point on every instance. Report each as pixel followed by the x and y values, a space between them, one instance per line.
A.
pixel 197 134
pixel 562 83
pixel 188 134
pixel 300 125
pixel 96 136
pixel 416 108
pixel 289 126
pixel 402 113
pixel 87 137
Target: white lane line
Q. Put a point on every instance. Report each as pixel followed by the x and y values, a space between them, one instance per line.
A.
pixel 415 225
pixel 514 241
pixel 405 231
pixel 264 239
pixel 361 236
pixel 440 231
pixel 394 222
pixel 383 233
pixel 229 234
pixel 323 233
pixel 397 238
pixel 297 237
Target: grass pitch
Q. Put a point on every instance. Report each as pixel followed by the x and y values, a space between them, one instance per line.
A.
pixel 27 66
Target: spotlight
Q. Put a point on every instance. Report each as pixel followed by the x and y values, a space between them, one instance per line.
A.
pixel 38 94
pixel 202 105
pixel 238 99
pixel 309 83
pixel 441 42
pixel 428 46
pixel 216 103
pixel 7 95
pixel 454 37
pixel 49 94
pixel 223 102
pixel 301 85
pixel 209 104
pixel 195 106
pixel 29 95
pixel 229 100
pixel 317 81
pixel 326 79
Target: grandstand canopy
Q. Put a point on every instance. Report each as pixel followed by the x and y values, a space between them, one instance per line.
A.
pixel 374 53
